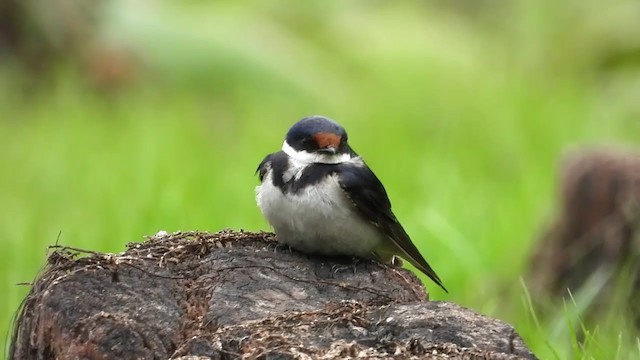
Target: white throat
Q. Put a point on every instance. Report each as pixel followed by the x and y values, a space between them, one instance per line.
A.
pixel 309 158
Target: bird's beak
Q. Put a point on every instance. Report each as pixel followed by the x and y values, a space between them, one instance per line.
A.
pixel 329 149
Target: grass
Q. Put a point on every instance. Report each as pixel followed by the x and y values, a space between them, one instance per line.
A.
pixel 463 118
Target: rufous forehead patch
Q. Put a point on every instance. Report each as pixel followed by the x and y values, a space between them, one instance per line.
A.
pixel 325 139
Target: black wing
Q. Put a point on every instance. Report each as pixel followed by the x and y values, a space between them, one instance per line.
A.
pixel 262 169
pixel 277 163
pixel 368 195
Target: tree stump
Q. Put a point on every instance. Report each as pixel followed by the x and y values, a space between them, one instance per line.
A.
pixel 240 295
pixel 596 236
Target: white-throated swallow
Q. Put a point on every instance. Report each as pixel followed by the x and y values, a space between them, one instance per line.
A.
pixel 321 197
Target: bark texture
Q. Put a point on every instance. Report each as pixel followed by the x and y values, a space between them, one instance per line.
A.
pixel 235 295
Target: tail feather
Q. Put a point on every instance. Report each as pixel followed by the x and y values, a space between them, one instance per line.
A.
pixel 420 264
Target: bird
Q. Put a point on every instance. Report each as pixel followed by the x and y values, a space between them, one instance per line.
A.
pixel 320 197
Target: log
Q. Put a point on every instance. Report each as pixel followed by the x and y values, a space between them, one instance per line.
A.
pixel 231 295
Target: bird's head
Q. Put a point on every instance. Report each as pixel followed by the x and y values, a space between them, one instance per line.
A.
pixel 317 139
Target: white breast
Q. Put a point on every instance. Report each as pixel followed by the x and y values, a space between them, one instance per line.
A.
pixel 317 219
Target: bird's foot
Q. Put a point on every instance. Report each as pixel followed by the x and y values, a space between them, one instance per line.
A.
pixel 279 246
pixel 353 266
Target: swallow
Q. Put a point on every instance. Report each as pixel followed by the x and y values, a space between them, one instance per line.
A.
pixel 321 198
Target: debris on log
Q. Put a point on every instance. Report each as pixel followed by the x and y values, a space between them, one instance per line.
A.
pixel 240 295
pixel 596 234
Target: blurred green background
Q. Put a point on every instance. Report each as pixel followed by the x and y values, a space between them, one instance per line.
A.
pixel 122 118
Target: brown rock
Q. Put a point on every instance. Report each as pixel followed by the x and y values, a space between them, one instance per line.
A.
pixel 238 295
